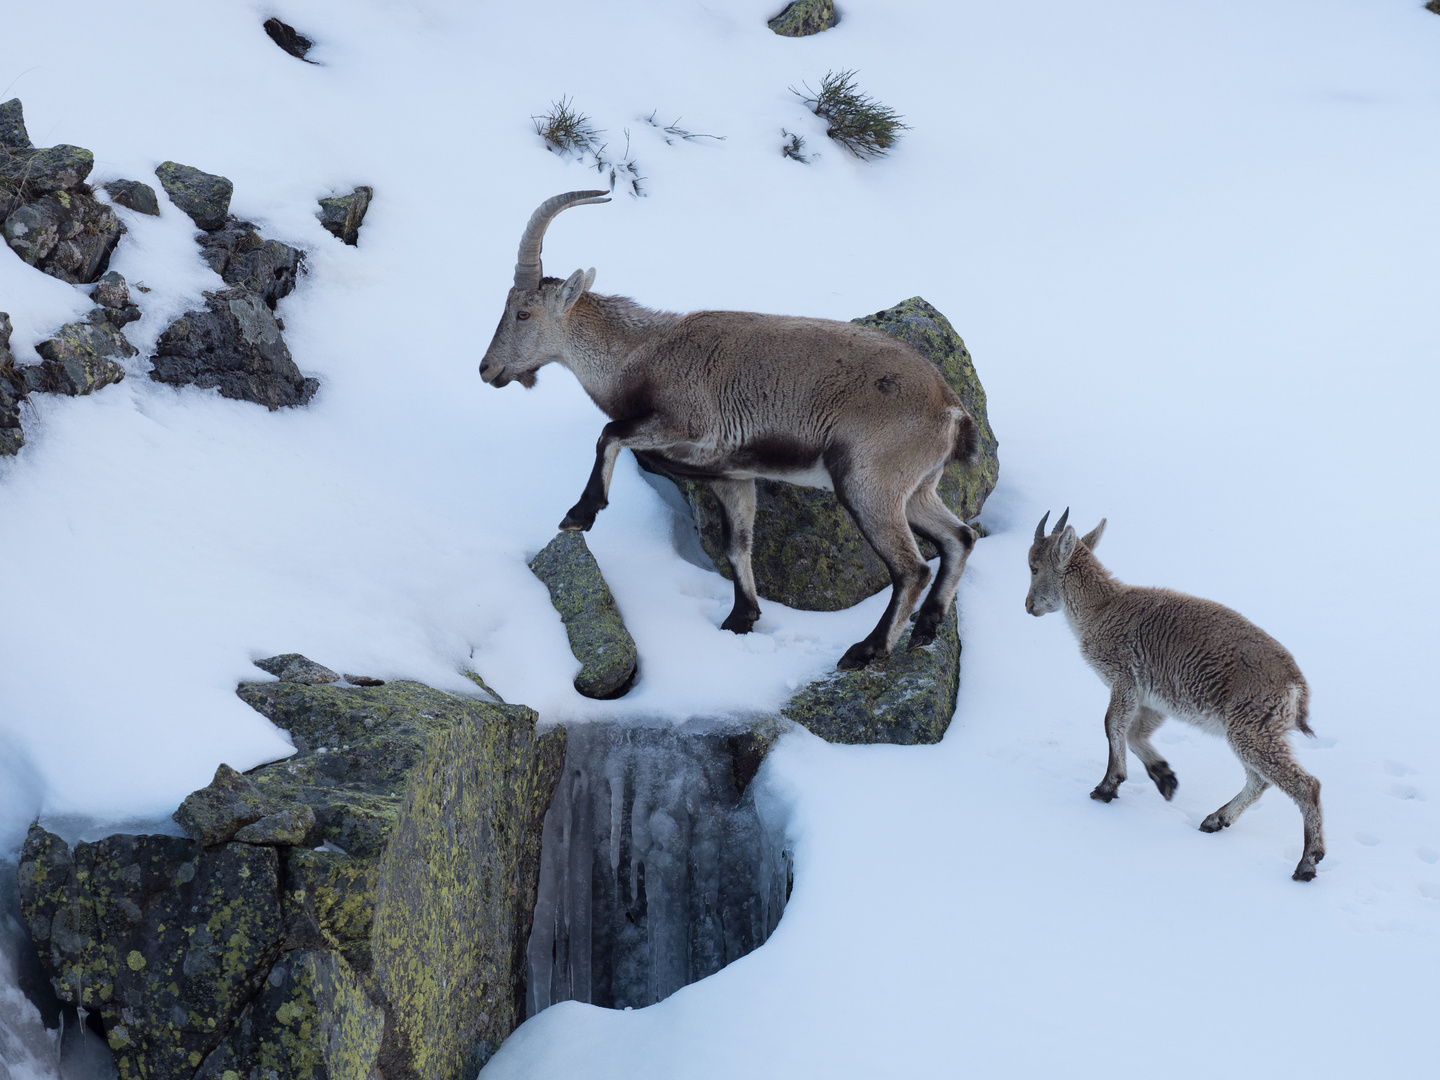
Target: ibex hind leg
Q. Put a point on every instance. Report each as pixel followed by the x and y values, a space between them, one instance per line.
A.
pixel 931 518
pixel 1255 785
pixel 737 519
pixel 882 522
pixel 1156 767
pixel 1267 753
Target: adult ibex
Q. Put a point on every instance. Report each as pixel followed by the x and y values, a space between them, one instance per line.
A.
pixel 729 396
pixel 1164 653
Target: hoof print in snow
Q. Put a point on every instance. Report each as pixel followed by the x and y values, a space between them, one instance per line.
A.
pixel 598 637
pixel 401 940
pixel 292 667
pixel 906 698
pixel 48 215
pixel 133 195
pixel 204 196
pixel 342 215
pixel 238 253
pixel 805 17
pixel 289 39
pixel 233 346
pixel 808 552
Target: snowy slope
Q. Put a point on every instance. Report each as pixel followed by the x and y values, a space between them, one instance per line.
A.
pixel 1192 250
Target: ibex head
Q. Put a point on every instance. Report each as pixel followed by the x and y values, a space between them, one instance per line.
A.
pixel 530 333
pixel 1049 556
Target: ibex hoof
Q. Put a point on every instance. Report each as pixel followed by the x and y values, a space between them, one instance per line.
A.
pixel 739 624
pixel 919 639
pixel 577 520
pixel 857 656
pixel 1104 794
pixel 1165 781
pixel 1213 823
pixel 1303 872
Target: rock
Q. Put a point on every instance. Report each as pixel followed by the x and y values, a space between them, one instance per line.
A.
pixel 233 346
pixel 808 552
pixel 598 637
pixel 134 195
pixel 342 215
pixel 906 698
pixel 222 808
pixel 67 234
pixel 165 939
pixel 55 168
pixel 286 36
pixel 12 390
pixel 12 126
pixel 287 828
pixel 78 358
pixel 805 17
pixel 364 680
pixel 204 196
pixel 113 294
pixel 292 667
pixel 1433 5
pixel 238 254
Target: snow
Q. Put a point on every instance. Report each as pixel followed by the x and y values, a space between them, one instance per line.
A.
pixel 1191 248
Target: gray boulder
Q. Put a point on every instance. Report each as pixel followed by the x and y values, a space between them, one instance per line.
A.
pixel 79 358
pixel 13 135
pixel 112 293
pixel 204 196
pixel 12 391
pixel 292 667
pixel 598 637
pixel 235 347
pixel 341 216
pixel 216 812
pixel 238 254
pixel 135 196
pixel 67 234
pixel 805 17
pixel 808 552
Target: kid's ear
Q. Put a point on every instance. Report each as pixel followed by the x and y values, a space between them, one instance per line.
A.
pixel 1092 538
pixel 575 285
pixel 1065 546
pixel 589 279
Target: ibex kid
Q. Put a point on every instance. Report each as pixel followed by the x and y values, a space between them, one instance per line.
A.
pixel 1163 653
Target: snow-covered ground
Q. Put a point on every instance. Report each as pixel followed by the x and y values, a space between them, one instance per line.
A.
pixel 1193 250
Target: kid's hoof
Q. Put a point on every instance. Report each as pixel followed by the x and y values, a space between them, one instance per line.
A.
pixel 738 624
pixel 919 639
pixel 1104 794
pixel 857 656
pixel 1303 872
pixel 1213 823
pixel 577 520
pixel 1165 781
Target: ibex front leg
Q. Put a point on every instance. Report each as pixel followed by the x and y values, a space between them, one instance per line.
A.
pixel 1124 704
pixel 614 437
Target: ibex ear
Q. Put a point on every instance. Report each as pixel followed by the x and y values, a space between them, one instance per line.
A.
pixel 589 279
pixel 574 286
pixel 1092 538
pixel 1065 546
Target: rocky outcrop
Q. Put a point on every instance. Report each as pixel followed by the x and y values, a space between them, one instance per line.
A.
pixel 134 195
pixel 808 552
pixel 598 637
pixel 12 387
pixel 238 253
pixel 235 347
pixel 805 17
pixel 79 358
pixel 358 909
pixel 204 196
pixel 342 215
pixel 48 215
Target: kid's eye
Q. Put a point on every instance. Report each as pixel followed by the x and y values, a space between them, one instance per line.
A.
pixel 522 315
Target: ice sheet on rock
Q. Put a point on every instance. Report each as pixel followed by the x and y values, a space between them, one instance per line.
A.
pixel 656 869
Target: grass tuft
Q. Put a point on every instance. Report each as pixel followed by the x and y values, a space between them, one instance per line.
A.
pixel 857 121
pixel 566 129
pixel 794 147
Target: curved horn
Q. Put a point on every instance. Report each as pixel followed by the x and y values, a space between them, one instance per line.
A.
pixel 1060 525
pixel 1040 529
pixel 527 264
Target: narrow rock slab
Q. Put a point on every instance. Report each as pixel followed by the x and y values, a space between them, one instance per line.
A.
pixel 204 196
pixel 907 698
pixel 343 214
pixel 598 637
pixel 292 667
pixel 12 126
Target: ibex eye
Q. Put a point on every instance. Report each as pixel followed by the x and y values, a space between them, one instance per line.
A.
pixel 522 315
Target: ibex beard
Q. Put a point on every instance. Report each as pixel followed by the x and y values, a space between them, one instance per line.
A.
pixel 1164 653
pixel 730 396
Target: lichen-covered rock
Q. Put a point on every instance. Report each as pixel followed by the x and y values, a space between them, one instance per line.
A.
pixel 216 812
pixel 12 126
pixel 287 828
pixel 204 196
pixel 79 357
pixel 12 391
pixel 805 17
pixel 67 234
pixel 807 551
pixel 238 254
pixel 165 939
pixel 134 195
pixel 906 698
pixel 598 637
pixel 292 667
pixel 113 294
pixel 343 214
pixel 235 347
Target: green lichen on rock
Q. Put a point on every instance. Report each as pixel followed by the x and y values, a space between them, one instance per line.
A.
pixel 598 637
pixel 807 551
pixel 906 698
pixel 220 809
pixel 342 215
pixel 165 939
pixel 78 358
pixel 805 17
pixel 293 667
pixel 204 196
pixel 285 828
